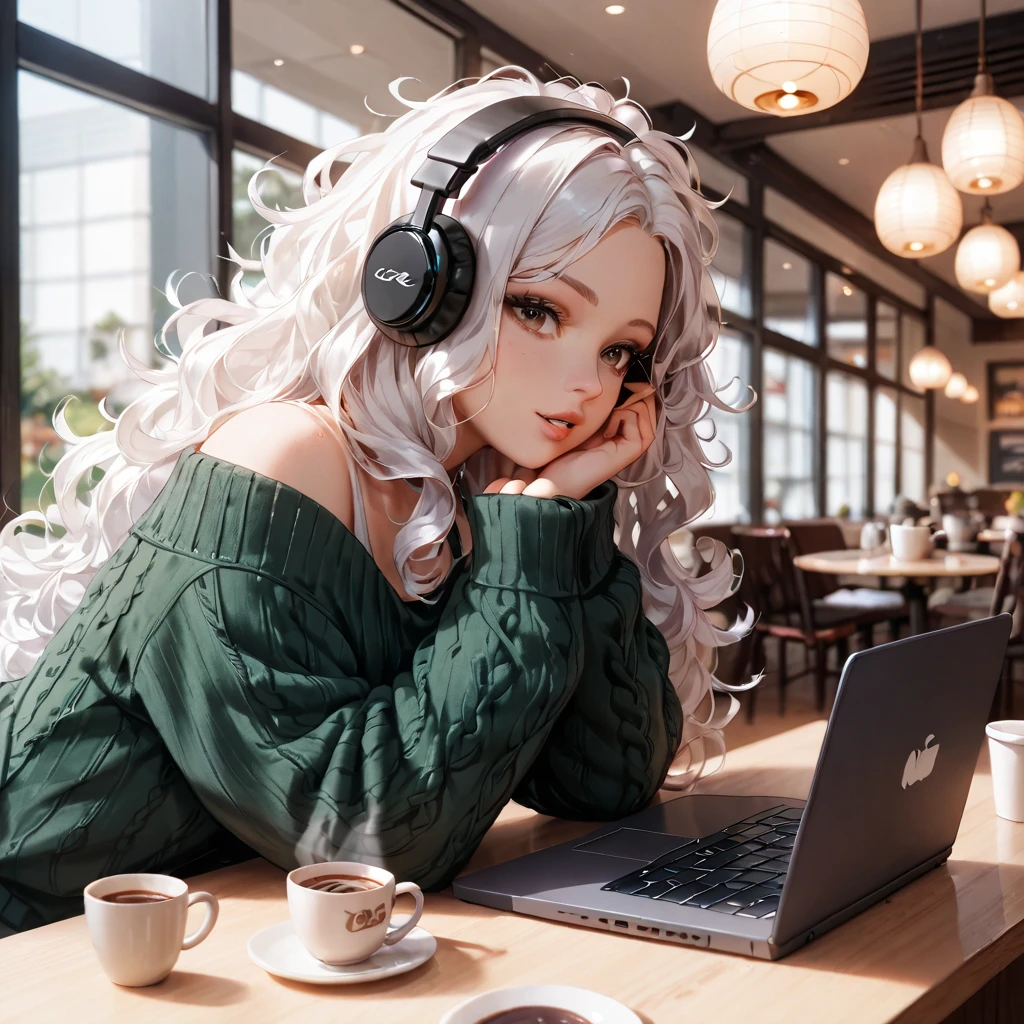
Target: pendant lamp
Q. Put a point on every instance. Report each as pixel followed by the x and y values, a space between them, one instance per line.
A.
pixel 1008 301
pixel 971 395
pixel 917 211
pixel 930 369
pixel 983 144
pixel 956 386
pixel 987 256
pixel 787 57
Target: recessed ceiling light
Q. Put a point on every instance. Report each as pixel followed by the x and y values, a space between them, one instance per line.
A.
pixel 846 269
pixel 615 9
pixel 843 161
pixel 278 62
pixel 356 48
pixel 787 266
pixel 847 290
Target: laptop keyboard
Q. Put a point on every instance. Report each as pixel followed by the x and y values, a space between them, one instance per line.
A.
pixel 740 870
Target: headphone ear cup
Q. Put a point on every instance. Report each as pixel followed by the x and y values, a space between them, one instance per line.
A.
pixel 456 285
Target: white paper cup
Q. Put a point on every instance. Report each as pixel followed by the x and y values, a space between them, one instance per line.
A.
pixel 138 943
pixel 1006 752
pixel 341 928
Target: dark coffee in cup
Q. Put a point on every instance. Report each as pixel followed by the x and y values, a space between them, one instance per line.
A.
pixel 340 883
pixel 135 896
pixel 535 1015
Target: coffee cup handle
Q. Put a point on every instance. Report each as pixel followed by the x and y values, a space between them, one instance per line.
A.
pixel 398 933
pixel 212 910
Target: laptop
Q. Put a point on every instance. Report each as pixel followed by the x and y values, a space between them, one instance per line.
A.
pixel 761 876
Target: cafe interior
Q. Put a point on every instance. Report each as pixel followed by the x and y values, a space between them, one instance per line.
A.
pixel 866 162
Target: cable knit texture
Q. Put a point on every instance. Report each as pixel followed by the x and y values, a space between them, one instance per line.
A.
pixel 240 677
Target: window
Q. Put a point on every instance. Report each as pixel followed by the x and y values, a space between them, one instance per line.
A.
pixel 887 339
pixel 102 228
pixel 912 340
pixel 312 70
pixel 789 410
pixel 719 179
pixel 788 302
pixel 846 321
pixel 729 363
pixel 885 449
pixel 912 449
pixel 163 38
pixel 491 61
pixel 731 268
pixel 846 452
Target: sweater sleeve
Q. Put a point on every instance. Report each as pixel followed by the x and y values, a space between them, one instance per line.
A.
pixel 260 700
pixel 611 748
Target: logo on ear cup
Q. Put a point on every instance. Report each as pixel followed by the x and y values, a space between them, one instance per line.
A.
pixel 399 276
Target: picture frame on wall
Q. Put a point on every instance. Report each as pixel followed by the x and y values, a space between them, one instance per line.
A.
pixel 1006 457
pixel 1006 391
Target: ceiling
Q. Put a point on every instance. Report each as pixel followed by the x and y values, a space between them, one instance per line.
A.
pixel 660 47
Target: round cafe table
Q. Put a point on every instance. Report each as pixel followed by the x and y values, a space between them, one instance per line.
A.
pixel 870 563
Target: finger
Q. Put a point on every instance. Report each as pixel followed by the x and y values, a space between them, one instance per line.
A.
pixel 514 487
pixel 495 486
pixel 631 427
pixel 614 422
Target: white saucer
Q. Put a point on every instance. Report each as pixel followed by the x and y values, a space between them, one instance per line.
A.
pixel 591 1006
pixel 277 949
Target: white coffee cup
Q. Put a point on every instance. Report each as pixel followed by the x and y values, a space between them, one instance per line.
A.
pixel 1006 753
pixel 911 543
pixel 347 927
pixel 138 943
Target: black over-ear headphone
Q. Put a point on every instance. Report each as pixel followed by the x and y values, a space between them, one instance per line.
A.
pixel 418 276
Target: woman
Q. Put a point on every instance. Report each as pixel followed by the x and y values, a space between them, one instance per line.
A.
pixel 335 597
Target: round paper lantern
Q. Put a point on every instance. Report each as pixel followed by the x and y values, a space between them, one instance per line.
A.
pixel 983 144
pixel 1008 301
pixel 930 369
pixel 917 211
pixel 787 57
pixel 987 257
pixel 970 396
pixel 956 385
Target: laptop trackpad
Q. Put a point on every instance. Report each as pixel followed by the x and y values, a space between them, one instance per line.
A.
pixel 633 844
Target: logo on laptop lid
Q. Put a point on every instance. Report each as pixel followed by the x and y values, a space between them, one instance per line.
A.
pixel 920 763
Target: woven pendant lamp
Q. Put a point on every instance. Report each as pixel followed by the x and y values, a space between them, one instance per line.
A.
pixel 987 256
pixel 983 143
pixel 787 57
pixel 1008 301
pixel 917 211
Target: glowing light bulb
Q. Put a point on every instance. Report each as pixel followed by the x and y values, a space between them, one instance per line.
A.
pixel 984 183
pixel 789 86
pixel 917 246
pixel 788 101
pixel 278 62
pixel 614 9
pixel 356 48
pixel 787 266
pixel 847 290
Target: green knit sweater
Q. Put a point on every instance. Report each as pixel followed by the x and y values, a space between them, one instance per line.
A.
pixel 240 677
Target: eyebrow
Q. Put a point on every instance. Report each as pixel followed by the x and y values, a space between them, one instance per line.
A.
pixel 643 323
pixel 578 286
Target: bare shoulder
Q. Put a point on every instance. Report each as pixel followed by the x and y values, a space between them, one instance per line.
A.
pixel 281 441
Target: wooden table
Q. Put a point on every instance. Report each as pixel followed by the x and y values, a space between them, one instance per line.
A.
pixel 869 563
pixel 915 957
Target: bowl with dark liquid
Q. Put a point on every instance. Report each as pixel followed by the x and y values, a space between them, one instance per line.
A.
pixel 540 1004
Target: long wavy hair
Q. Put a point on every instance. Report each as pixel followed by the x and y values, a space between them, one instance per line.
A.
pixel 302 334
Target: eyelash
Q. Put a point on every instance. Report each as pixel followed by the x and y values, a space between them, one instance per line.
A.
pixel 545 306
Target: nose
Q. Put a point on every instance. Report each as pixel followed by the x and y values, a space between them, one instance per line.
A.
pixel 584 380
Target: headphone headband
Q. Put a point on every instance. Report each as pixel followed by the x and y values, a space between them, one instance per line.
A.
pixel 418 275
pixel 457 155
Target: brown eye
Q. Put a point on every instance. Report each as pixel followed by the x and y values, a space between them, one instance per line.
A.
pixel 534 315
pixel 618 357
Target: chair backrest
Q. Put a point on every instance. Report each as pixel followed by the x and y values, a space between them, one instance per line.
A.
pixel 769 579
pixel 1007 593
pixel 991 501
pixel 809 539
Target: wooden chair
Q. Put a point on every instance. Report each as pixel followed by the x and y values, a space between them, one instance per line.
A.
pixel 770 585
pixel 864 606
